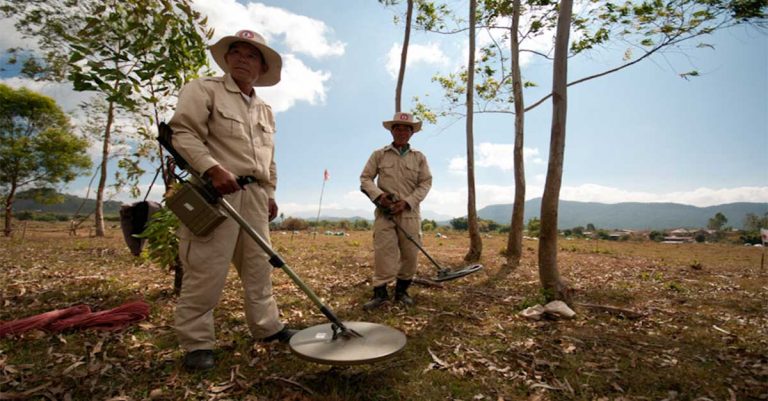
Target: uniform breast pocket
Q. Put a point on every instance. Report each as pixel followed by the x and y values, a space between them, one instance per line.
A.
pixel 411 171
pixel 387 169
pixel 267 134
pixel 229 124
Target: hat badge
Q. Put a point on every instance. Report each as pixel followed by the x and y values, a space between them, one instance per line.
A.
pixel 404 117
pixel 246 34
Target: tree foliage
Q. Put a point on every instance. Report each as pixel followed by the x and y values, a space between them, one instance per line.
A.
pixel 717 222
pixel 533 227
pixel 753 222
pixel 37 145
pixel 134 52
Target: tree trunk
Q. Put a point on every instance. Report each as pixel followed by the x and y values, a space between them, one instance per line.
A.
pixel 99 213
pixel 549 275
pixel 475 242
pixel 9 210
pixel 403 57
pixel 515 238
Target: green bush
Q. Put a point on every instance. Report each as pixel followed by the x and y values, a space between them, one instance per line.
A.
pixel 162 242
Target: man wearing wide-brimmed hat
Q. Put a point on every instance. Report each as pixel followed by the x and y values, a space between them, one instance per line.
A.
pixel 225 131
pixel 402 182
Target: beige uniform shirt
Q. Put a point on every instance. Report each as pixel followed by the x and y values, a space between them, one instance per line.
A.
pixel 406 176
pixel 214 125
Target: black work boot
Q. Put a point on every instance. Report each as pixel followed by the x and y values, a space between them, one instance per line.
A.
pixel 283 336
pixel 380 296
pixel 401 292
pixel 201 359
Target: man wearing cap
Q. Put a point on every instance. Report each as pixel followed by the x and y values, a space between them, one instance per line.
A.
pixel 403 182
pixel 225 131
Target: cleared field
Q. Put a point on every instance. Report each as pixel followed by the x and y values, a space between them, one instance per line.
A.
pixel 703 333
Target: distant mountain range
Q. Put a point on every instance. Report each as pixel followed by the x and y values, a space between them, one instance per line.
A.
pixel 629 215
pixel 70 205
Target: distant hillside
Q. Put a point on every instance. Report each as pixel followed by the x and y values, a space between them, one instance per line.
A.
pixel 630 215
pixel 69 206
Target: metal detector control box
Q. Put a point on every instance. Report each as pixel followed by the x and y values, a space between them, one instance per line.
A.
pixel 194 211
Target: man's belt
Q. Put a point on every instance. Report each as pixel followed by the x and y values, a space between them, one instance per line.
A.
pixel 244 180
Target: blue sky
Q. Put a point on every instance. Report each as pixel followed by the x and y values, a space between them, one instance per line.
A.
pixel 643 134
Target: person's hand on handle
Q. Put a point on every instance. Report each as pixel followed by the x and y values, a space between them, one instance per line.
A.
pixel 399 207
pixel 221 179
pixel 384 200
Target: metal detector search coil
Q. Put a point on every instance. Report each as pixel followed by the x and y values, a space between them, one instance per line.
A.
pixel 194 211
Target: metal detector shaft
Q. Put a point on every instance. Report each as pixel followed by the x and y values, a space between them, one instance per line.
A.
pixel 277 261
pixel 410 238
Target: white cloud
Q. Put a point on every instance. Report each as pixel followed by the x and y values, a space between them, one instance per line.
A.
pixel 429 54
pixel 501 155
pixel 353 204
pixel 280 28
pixel 498 155
pixel 458 165
pixel 63 93
pixel 299 83
pixel 453 202
pixel 700 197
pixel 299 33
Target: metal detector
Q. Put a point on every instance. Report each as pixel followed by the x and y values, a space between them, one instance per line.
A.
pixel 337 343
pixel 443 273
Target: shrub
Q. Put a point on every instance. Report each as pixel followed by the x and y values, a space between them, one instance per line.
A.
pixel 294 224
pixel 162 242
pixel 657 236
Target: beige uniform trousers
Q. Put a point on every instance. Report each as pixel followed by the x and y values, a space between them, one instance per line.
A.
pixel 206 264
pixel 395 256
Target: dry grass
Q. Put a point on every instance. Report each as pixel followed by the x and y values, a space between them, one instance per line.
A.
pixel 704 334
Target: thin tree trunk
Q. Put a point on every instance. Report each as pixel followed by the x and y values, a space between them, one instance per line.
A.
pixel 475 242
pixel 549 274
pixel 99 213
pixel 515 239
pixel 403 57
pixel 9 210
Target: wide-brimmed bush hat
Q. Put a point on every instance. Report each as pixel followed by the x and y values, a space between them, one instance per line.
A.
pixel 271 57
pixel 403 119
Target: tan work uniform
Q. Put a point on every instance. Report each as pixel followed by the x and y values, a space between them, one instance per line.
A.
pixel 407 176
pixel 215 124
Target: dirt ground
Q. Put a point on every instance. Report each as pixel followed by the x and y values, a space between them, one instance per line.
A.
pixel 653 322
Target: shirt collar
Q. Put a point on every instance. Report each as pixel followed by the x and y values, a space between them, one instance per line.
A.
pixel 231 86
pixel 402 152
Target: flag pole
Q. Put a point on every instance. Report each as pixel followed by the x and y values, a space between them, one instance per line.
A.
pixel 320 205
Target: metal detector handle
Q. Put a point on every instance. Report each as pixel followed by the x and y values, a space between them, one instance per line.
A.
pixel 276 261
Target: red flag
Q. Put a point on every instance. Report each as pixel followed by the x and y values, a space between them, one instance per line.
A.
pixel 326 175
